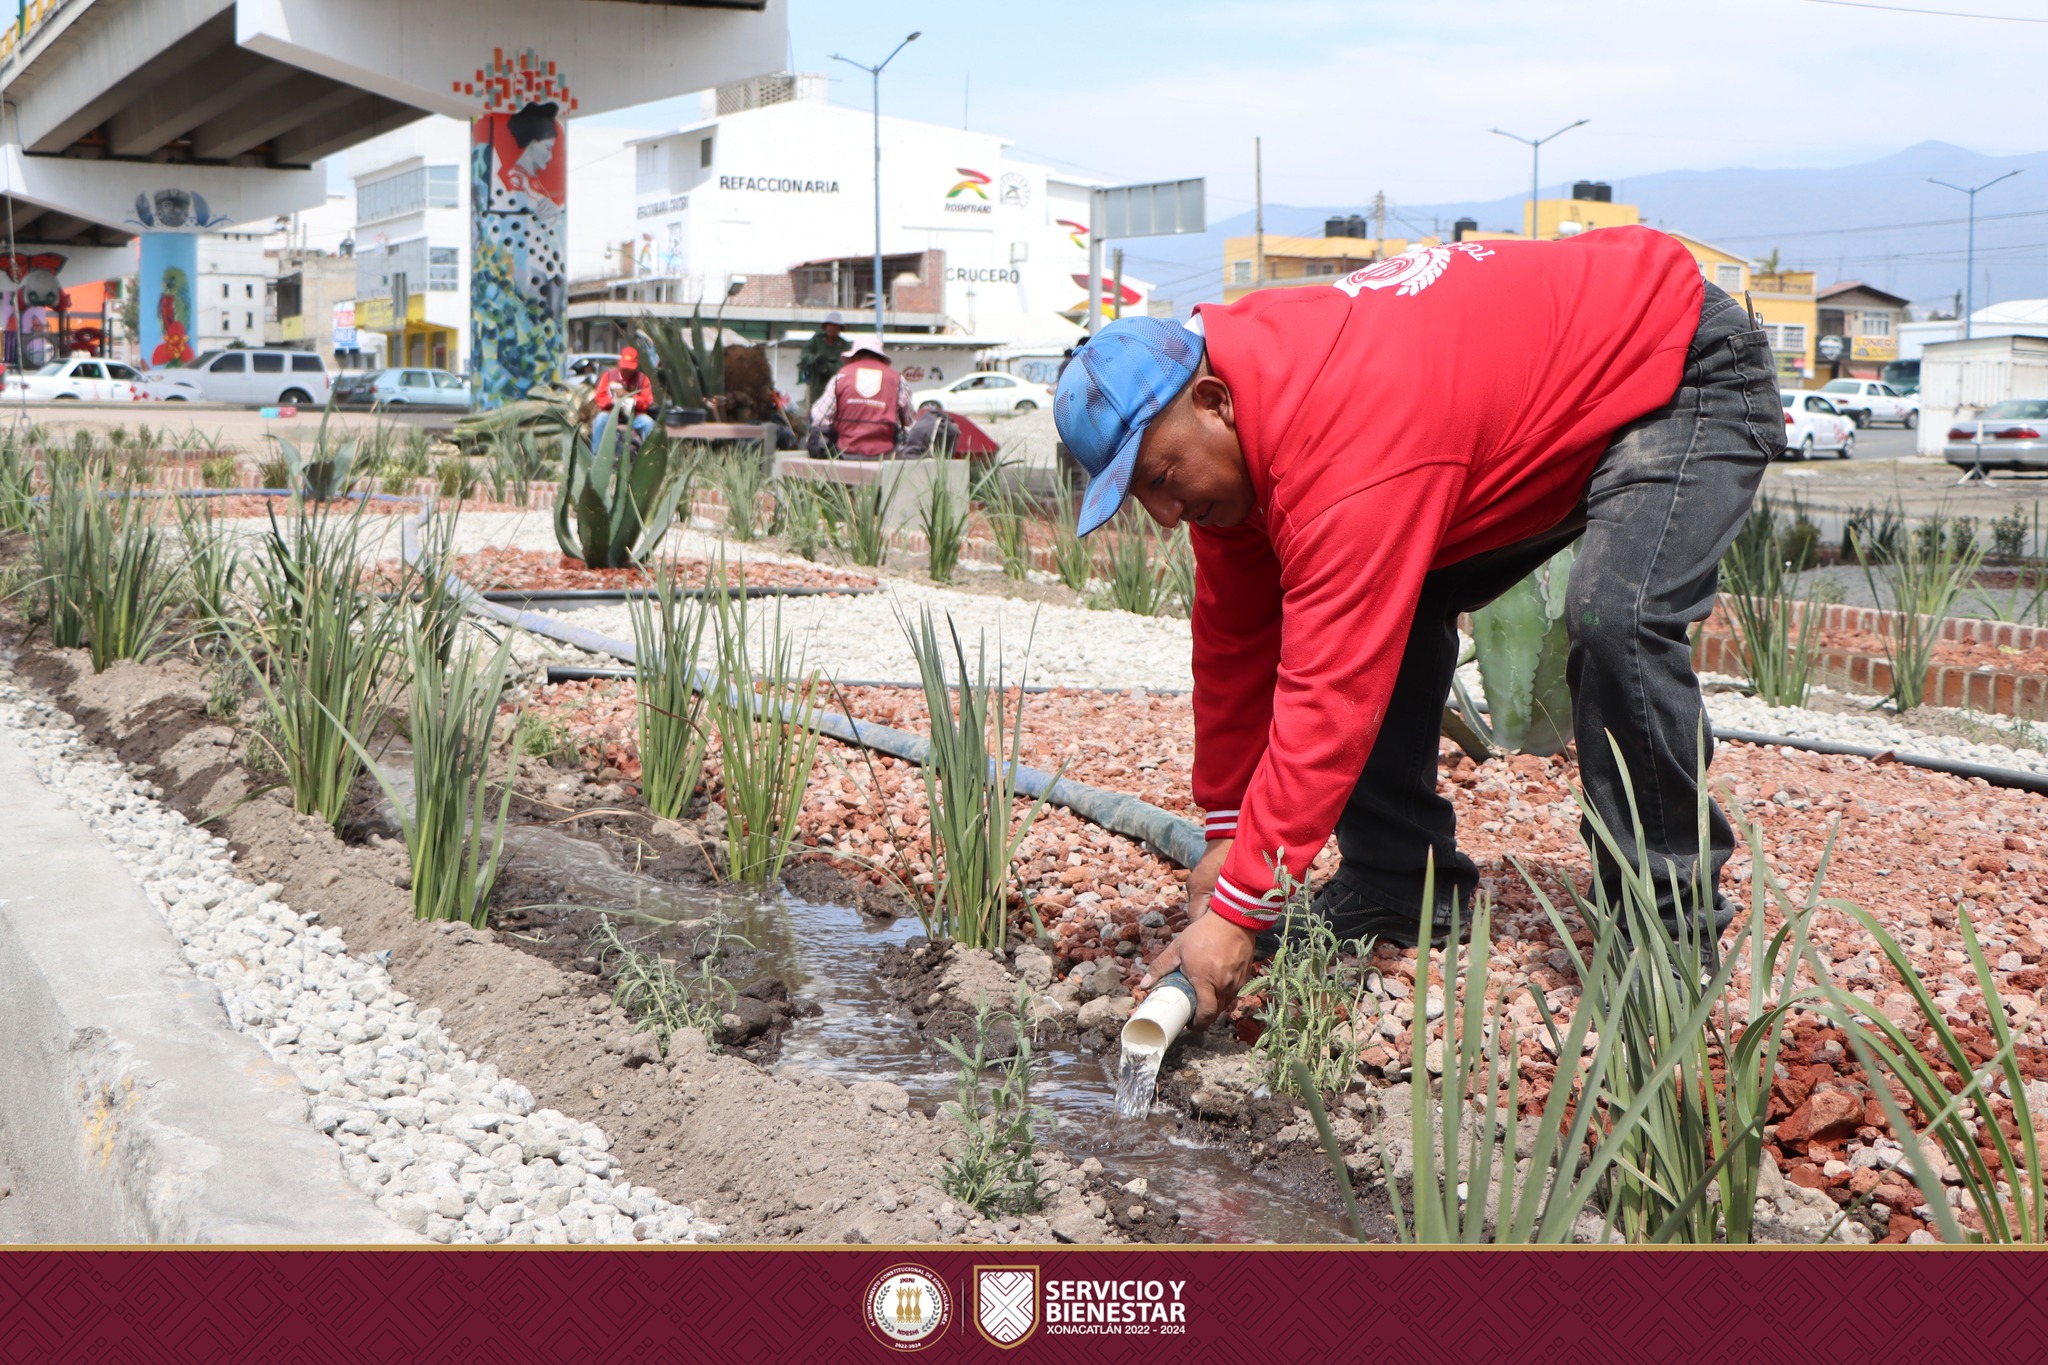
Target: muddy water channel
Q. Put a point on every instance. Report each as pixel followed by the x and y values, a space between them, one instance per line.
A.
pixel 827 954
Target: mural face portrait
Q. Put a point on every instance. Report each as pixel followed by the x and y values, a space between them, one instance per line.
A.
pixel 531 164
pixel 173 208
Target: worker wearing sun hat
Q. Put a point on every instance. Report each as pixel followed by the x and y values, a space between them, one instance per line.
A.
pixel 1360 464
pixel 624 383
pixel 866 407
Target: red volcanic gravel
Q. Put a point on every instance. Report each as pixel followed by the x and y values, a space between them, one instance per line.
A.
pixel 1910 846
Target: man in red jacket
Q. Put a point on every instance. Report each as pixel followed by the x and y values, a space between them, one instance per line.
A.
pixel 1359 464
pixel 626 386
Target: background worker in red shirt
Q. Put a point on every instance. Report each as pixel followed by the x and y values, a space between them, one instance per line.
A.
pixel 624 383
pixel 865 409
pixel 1360 464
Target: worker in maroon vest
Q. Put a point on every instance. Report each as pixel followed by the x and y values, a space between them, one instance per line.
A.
pixel 865 408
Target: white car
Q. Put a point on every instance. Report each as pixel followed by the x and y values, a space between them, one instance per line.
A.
pixel 257 378
pixel 986 393
pixel 1868 400
pixel 1813 422
pixel 81 380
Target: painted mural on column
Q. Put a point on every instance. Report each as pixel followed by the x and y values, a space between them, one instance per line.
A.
pixel 33 294
pixel 169 264
pixel 518 164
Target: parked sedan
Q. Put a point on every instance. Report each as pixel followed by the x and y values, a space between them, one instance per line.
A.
pixel 80 380
pixel 2006 435
pixel 1869 400
pixel 1813 422
pixel 986 393
pixel 408 388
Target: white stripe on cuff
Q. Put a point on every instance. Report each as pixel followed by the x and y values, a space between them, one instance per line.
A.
pixel 1265 908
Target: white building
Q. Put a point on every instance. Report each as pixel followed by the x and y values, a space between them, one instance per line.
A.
pixel 412 234
pixel 231 288
pixel 765 205
pixel 411 243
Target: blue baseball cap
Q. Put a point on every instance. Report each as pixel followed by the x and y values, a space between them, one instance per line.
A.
pixel 1114 386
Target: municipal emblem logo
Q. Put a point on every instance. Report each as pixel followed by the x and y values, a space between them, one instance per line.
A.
pixel 1006 1303
pixel 907 1307
pixel 1411 272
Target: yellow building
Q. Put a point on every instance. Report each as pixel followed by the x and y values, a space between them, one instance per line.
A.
pixel 1302 260
pixel 411 341
pixel 1785 304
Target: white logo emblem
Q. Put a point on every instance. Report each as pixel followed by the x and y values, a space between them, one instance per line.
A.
pixel 1015 192
pixel 1006 1303
pixel 907 1307
pixel 1411 272
pixel 867 381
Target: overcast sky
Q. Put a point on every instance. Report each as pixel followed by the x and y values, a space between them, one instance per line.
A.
pixel 1355 97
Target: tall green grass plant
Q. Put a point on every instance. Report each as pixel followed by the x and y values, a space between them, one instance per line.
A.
pixel 757 708
pixel 668 635
pixel 322 652
pixel 1924 576
pixel 945 527
pixel 453 837
pixel 970 783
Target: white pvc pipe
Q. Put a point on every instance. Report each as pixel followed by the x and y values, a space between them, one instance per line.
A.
pixel 1154 1025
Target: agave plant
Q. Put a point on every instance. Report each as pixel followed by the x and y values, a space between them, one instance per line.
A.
pixel 623 502
pixel 687 368
pixel 324 476
pixel 1522 642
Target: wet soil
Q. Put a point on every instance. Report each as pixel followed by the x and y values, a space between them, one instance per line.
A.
pixel 777 1157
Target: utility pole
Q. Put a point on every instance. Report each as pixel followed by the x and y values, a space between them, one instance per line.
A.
pixel 1535 146
pixel 876 73
pixel 1259 213
pixel 1379 224
pixel 1117 281
pixel 1970 263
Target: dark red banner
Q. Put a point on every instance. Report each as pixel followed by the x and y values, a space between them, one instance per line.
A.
pixel 502 1306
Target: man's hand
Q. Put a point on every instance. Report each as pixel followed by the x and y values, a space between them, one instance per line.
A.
pixel 1202 878
pixel 1216 956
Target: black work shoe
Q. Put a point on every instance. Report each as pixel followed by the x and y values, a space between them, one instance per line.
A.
pixel 1352 916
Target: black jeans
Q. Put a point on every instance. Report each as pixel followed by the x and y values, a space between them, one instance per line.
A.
pixel 1664 503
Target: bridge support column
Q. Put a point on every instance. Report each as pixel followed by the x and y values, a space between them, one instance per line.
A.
pixel 165 303
pixel 518 276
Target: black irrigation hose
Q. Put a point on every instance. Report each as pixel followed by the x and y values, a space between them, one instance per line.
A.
pixel 1998 777
pixel 587 673
pixel 1178 840
pixel 598 597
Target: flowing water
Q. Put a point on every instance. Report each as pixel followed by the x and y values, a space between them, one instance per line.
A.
pixel 828 954
pixel 1137 1080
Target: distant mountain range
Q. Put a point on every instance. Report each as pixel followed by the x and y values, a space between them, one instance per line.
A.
pixel 1879 222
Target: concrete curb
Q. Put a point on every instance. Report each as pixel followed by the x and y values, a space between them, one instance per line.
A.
pixel 140 1115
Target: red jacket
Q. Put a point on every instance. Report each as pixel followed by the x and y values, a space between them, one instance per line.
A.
pixel 637 384
pixel 1445 402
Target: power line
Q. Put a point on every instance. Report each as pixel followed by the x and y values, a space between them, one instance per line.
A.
pixel 1878 227
pixel 1944 13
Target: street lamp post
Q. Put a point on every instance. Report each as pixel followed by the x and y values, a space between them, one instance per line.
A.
pixel 1970 259
pixel 876 73
pixel 1535 146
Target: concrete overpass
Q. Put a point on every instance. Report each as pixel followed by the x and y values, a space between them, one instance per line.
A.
pixel 162 118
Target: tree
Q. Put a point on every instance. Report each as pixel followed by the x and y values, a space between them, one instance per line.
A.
pixel 131 308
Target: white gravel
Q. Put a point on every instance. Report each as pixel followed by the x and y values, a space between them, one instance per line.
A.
pixel 1732 710
pixel 860 638
pixel 447 1146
